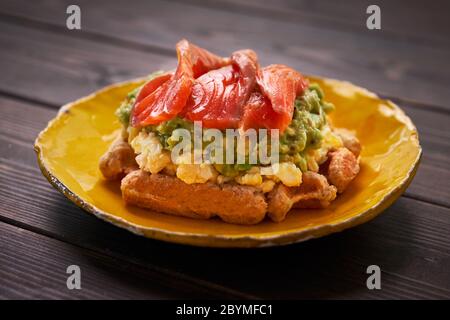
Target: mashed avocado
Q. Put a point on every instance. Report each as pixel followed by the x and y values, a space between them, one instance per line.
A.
pixel 303 133
pixel 124 110
pixel 165 129
pixel 232 170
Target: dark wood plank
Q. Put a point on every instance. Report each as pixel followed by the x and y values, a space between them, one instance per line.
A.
pixel 430 182
pixel 416 20
pixel 409 241
pixel 412 249
pixel 395 67
pixel 17 141
pixel 55 69
pixel 33 266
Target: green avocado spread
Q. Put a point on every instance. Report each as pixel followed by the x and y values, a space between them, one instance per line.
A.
pixel 304 131
pixel 302 134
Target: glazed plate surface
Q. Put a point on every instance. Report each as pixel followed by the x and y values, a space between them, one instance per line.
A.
pixel 70 147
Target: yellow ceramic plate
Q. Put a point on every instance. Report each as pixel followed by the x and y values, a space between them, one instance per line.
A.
pixel 69 149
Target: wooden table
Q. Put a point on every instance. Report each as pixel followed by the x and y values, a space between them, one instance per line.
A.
pixel 44 65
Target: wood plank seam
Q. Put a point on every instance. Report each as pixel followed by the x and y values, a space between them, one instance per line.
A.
pixel 33 101
pixel 425 200
pixel 87 35
pixel 143 272
pixel 329 23
pixel 139 46
pixel 415 104
pixel 25 142
pixel 206 285
pixel 418 198
pixel 395 99
pixel 200 283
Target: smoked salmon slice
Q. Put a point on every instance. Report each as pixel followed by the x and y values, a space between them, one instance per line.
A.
pixel 218 96
pixel 166 97
pixel 280 86
pixel 150 87
pixel 220 92
pixel 259 114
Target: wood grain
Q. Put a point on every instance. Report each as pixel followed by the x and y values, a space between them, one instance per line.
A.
pixel 417 21
pixel 409 238
pixel 54 69
pixel 395 67
pixel 409 241
pixel 44 65
pixel 33 266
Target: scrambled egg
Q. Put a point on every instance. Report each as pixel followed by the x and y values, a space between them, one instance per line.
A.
pixel 153 158
pixel 251 178
pixel 286 172
pixel 254 178
pixel 330 141
pixel 151 155
pixel 267 185
pixel 289 174
pixel 194 173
